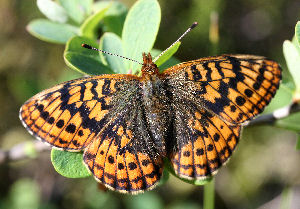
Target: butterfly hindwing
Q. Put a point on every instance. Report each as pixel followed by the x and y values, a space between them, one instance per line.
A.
pixel 204 142
pixel 235 87
pixel 121 157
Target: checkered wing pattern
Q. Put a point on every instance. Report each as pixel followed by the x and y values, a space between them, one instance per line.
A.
pixel 211 98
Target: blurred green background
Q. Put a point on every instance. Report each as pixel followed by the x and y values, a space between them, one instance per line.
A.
pixel 264 171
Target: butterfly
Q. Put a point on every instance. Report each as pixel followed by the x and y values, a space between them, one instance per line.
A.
pixel 191 114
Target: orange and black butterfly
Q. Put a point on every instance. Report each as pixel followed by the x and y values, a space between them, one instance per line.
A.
pixel 191 113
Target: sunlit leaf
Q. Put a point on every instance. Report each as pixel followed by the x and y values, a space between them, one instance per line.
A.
pixel 292 58
pixel 112 43
pixel 283 97
pixel 140 30
pixel 90 25
pixel 292 122
pixel 52 10
pixel 69 164
pixel 78 10
pixel 49 31
pixel 168 54
pixel 84 60
pixel 168 63
pixel 297 33
pixel 114 17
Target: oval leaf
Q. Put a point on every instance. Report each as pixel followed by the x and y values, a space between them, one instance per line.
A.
pixel 168 63
pixel 112 43
pixel 140 30
pixel 90 26
pixel 165 177
pixel 168 54
pixel 114 17
pixel 77 9
pixel 297 33
pixel 84 60
pixel 292 122
pixel 51 31
pixel 292 58
pixel 69 164
pixel 52 10
pixel 283 97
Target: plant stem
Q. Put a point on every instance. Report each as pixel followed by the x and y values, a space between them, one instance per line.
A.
pixel 209 195
pixel 286 197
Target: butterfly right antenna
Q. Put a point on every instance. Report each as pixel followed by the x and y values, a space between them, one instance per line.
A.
pixel 188 30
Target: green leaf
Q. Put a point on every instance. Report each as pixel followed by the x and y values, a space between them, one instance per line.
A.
pixel 51 31
pixel 194 182
pixel 148 200
pixel 78 10
pixel 84 60
pixel 168 54
pixel 90 26
pixel 169 63
pixel 165 177
pixel 52 10
pixel 297 33
pixel 283 97
pixel 296 44
pixel 140 30
pixel 114 17
pixel 292 58
pixel 24 193
pixel 69 164
pixel 30 149
pixel 298 142
pixel 292 122
pixel 112 43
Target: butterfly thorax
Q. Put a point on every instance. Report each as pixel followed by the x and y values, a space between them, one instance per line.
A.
pixel 149 68
pixel 156 105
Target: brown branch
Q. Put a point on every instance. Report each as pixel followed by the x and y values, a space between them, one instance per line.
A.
pixel 22 151
pixel 276 115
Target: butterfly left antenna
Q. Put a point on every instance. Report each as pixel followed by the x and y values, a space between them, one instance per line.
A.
pixel 112 54
pixel 188 30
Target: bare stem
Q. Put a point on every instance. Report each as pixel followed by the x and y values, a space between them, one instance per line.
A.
pixel 209 195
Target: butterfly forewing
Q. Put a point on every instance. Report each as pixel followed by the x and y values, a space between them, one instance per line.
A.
pixel 71 114
pixel 235 87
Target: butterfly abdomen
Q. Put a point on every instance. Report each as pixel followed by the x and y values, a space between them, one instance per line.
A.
pixel 156 106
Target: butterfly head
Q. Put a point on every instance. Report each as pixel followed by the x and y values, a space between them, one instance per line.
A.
pixel 149 68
